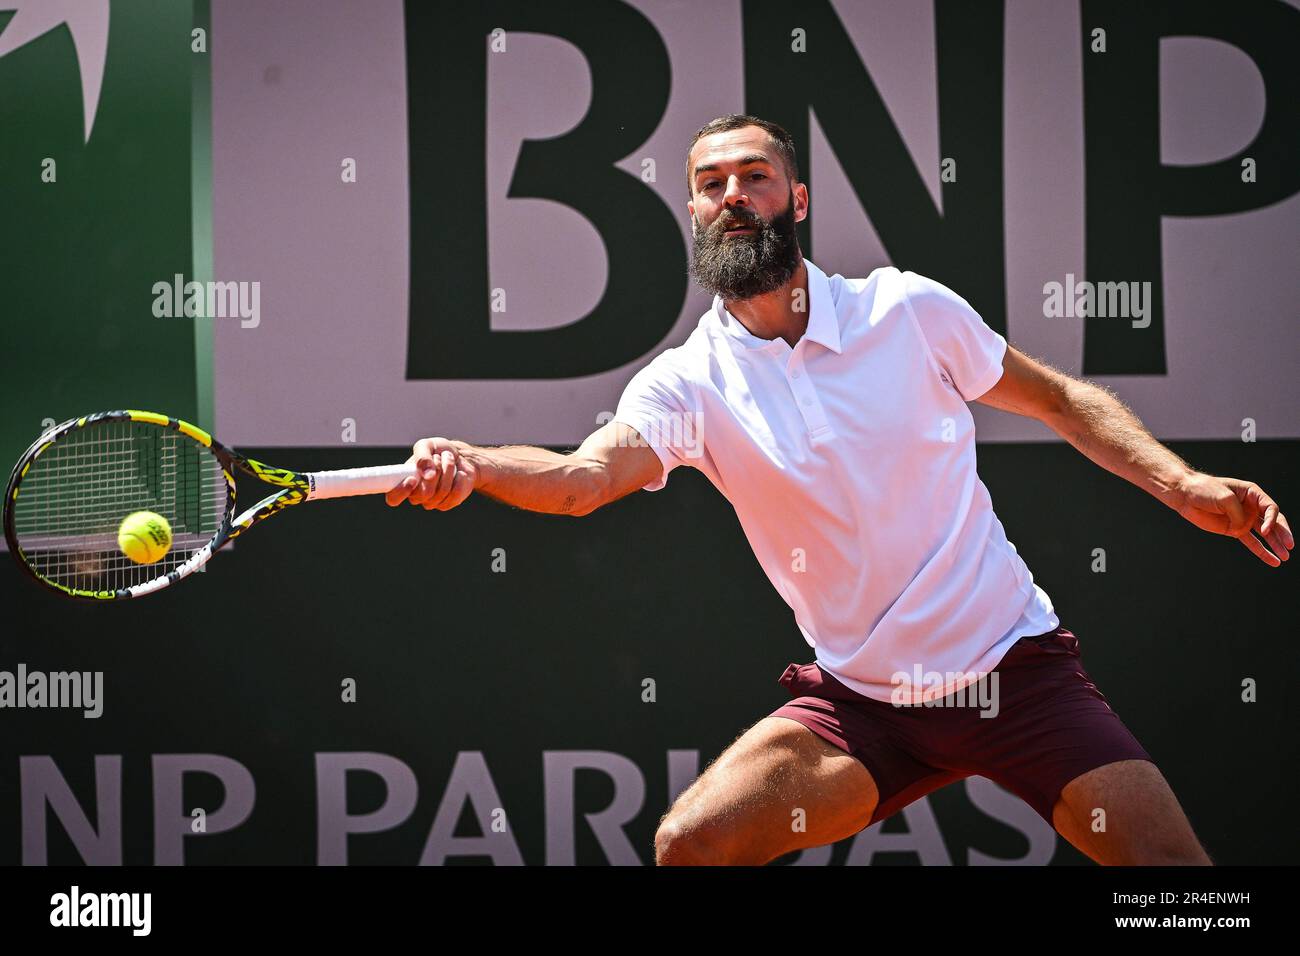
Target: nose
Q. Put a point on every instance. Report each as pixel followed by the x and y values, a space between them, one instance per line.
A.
pixel 734 196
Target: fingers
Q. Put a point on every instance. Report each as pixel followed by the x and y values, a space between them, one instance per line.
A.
pixel 1282 531
pixel 1241 509
pixel 1254 546
pixel 1251 514
pixel 421 451
pixel 428 448
pixel 445 469
pixel 461 486
pixel 1275 532
pixel 439 482
pixel 1270 511
pixel 423 472
pixel 1271 525
pixel 1229 501
pixel 1266 522
pixel 436 474
pixel 401 492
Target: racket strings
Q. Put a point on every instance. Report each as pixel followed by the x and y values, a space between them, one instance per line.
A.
pixel 76 493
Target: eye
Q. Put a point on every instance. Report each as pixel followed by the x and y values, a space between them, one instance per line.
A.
pixel 758 176
pixel 709 185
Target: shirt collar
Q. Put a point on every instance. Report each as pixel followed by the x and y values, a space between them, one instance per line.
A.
pixel 823 323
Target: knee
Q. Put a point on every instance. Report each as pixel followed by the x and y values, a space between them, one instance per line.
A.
pixel 675 845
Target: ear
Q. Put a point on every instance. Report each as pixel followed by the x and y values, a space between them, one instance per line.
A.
pixel 800 202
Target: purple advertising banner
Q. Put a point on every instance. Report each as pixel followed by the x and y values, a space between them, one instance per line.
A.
pixel 311 199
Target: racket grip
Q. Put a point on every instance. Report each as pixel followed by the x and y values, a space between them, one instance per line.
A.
pixel 347 482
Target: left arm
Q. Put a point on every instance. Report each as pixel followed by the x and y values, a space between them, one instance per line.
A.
pixel 1101 427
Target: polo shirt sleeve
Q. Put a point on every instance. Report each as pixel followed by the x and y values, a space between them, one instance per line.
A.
pixel 962 343
pixel 657 403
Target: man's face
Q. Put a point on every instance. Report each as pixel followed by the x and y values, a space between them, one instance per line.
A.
pixel 743 214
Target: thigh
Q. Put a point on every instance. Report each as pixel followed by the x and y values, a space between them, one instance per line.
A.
pixel 1052 724
pixel 1125 814
pixel 891 742
pixel 777 789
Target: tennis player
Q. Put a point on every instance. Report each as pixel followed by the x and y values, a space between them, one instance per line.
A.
pixel 832 414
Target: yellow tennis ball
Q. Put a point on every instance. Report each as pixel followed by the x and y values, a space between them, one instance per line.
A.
pixel 144 537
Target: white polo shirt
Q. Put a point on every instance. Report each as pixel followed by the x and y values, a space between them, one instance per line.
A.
pixel 850 461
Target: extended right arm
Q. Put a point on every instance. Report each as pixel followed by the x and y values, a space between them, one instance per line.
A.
pixel 611 463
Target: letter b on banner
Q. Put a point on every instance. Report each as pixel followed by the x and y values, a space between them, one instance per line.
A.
pixel 450 334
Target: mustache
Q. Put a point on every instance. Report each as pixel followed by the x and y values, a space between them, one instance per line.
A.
pixel 736 220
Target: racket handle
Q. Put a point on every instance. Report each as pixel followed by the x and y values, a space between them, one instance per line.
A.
pixel 358 481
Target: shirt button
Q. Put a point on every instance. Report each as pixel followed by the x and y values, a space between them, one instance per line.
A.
pixel 795 375
pixel 807 401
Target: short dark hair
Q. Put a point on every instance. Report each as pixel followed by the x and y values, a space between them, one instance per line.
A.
pixel 782 140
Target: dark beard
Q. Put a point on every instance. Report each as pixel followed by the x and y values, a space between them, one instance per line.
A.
pixel 742 267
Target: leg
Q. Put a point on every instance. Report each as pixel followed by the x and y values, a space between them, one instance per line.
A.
pixel 1145 826
pixel 1058 745
pixel 744 808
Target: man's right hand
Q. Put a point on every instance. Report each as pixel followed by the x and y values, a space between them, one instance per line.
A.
pixel 446 477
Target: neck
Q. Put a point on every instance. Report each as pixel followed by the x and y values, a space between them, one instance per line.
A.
pixel 779 314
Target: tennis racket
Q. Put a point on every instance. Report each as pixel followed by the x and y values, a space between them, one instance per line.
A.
pixel 72 488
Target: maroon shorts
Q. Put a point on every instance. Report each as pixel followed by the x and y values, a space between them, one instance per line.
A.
pixel 1051 725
